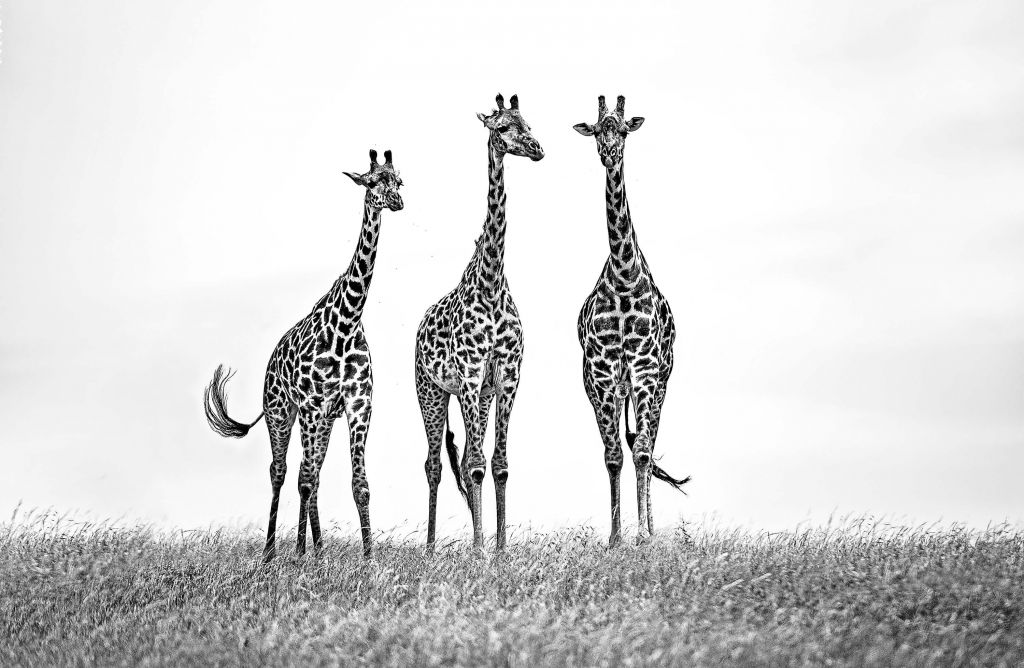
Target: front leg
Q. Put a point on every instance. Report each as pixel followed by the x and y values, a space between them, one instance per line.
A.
pixel 358 412
pixel 474 464
pixel 607 410
pixel 499 461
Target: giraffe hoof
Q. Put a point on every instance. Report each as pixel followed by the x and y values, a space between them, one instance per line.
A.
pixel 614 540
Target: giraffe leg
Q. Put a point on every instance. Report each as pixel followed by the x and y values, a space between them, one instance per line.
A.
pixel 316 433
pixel 644 388
pixel 358 413
pixel 473 461
pixel 607 410
pixel 313 509
pixel 280 427
pixel 434 409
pixel 499 460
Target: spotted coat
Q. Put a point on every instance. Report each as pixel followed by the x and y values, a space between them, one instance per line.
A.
pixel 470 343
pixel 319 371
pixel 626 330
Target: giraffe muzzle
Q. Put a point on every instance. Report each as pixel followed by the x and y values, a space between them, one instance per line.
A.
pixel 534 151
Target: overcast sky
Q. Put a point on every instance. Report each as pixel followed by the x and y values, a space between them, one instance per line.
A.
pixel 829 194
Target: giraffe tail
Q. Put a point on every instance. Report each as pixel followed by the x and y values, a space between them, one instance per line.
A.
pixel 656 470
pixel 453 459
pixel 215 405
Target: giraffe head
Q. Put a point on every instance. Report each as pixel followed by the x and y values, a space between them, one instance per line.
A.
pixel 381 183
pixel 610 130
pixel 509 132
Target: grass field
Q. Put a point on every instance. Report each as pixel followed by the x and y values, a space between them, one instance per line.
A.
pixel 861 593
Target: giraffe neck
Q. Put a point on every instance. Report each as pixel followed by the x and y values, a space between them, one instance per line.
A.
pixel 491 249
pixel 350 290
pixel 624 260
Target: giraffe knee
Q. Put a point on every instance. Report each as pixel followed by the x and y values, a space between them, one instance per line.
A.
pixel 642 451
pixel 433 470
pixel 613 459
pixel 307 484
pixel 476 465
pixel 361 493
pixel 500 474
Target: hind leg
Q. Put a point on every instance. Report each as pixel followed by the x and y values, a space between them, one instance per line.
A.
pixel 316 434
pixel 645 384
pixel 280 428
pixel 659 402
pixel 434 410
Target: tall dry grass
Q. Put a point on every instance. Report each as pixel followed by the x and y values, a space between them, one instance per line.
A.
pixel 858 593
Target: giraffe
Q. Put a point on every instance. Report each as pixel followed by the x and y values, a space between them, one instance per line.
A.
pixel 470 343
pixel 626 331
pixel 320 370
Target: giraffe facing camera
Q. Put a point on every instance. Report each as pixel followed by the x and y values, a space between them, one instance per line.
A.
pixel 627 331
pixel 610 130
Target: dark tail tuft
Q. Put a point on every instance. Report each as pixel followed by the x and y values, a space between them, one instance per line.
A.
pixel 656 470
pixel 678 483
pixel 215 405
pixel 453 458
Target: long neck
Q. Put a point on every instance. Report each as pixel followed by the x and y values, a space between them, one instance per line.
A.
pixel 350 290
pixel 624 258
pixel 492 244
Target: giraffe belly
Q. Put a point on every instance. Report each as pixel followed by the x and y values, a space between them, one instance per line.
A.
pixel 448 379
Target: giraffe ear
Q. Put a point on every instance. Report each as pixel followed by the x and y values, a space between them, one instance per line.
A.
pixel 634 123
pixel 486 120
pixel 584 129
pixel 355 177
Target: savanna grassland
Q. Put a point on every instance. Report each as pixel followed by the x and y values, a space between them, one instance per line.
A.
pixel 861 593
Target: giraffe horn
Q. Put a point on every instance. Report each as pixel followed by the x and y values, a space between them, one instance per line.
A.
pixel 373 157
pixel 602 109
pixel 387 156
pixel 620 106
pixel 501 101
pixel 514 101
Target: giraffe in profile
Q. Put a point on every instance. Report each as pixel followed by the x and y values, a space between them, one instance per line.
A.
pixel 319 371
pixel 470 343
pixel 626 330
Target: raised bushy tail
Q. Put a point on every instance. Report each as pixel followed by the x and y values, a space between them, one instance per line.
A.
pixel 453 459
pixel 656 470
pixel 215 405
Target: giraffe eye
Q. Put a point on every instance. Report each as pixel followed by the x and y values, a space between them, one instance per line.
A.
pixel 504 128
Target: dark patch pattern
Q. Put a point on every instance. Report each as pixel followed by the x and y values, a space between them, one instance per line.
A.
pixel 319 371
pixel 470 343
pixel 626 331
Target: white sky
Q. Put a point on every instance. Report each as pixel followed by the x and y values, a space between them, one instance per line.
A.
pixel 828 193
